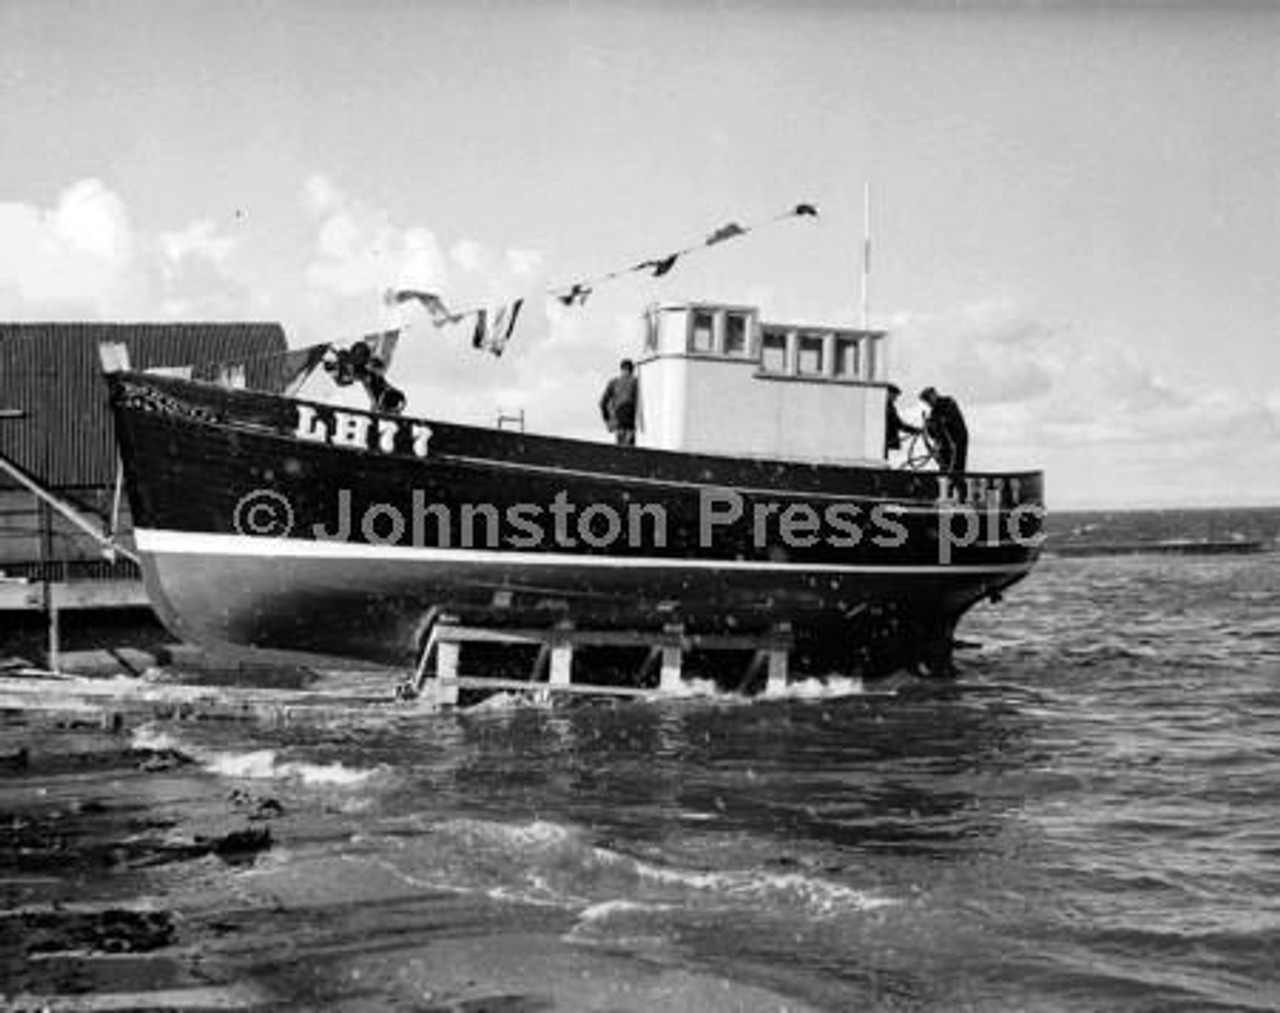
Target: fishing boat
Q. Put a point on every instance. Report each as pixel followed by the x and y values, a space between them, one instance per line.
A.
pixel 757 503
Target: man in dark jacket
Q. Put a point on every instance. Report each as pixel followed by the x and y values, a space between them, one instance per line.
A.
pixel 620 402
pixel 945 426
pixel 894 426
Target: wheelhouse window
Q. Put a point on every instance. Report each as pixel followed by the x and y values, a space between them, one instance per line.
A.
pixel 773 351
pixel 809 355
pixel 848 358
pixel 702 332
pixel 735 334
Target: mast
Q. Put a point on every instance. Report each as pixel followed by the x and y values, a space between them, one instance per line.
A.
pixel 866 255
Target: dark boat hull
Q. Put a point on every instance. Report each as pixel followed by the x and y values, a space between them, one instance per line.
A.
pixel 273 524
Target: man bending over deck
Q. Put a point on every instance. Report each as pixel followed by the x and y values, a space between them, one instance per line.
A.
pixel 945 426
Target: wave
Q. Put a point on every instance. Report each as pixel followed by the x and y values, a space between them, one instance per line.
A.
pixel 258 764
pixel 263 764
pixel 830 687
pixel 546 863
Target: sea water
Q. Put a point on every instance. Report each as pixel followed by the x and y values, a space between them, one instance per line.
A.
pixel 1088 820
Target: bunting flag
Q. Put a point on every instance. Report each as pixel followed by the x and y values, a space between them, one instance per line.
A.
pixel 576 296
pixel 432 303
pixel 367 359
pixel 493 328
pixel 369 355
pixel 729 231
pixel 297 366
pixel 660 266
pixel 365 362
pixel 382 347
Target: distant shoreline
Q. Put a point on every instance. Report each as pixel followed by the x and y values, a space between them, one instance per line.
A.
pixel 1173 548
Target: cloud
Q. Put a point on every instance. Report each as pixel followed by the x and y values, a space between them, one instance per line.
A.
pixel 195 273
pixel 319 194
pixel 77 253
pixel 468 255
pixel 359 252
pixel 1049 382
pixel 91 218
pixel 524 263
pixel 1118 398
pixel 422 266
pixel 1098 408
pixel 199 240
pixel 1107 422
pixel 987 350
pixel 83 258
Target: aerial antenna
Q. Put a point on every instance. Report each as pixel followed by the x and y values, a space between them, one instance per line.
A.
pixel 866 256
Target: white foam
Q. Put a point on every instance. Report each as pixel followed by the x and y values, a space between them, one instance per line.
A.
pixel 818 896
pixel 258 764
pixel 607 909
pixel 508 701
pixel 695 687
pixel 831 687
pixel 607 922
pixel 551 862
pixel 336 774
pixel 262 764
pixel 145 737
pixel 536 834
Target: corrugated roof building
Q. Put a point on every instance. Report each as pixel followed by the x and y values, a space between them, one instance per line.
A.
pixel 59 426
pixel 51 373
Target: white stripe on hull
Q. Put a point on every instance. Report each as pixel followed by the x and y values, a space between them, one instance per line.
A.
pixel 161 542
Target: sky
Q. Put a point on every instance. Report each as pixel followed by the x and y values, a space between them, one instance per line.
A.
pixel 1075 206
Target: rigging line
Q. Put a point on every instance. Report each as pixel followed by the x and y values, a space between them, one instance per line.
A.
pixel 724 234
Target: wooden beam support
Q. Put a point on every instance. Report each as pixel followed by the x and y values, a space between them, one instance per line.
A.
pixel 776 681
pixel 448 653
pixel 28 596
pixel 618 638
pixel 561 673
pixel 573 688
pixel 779 659
pixel 672 659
